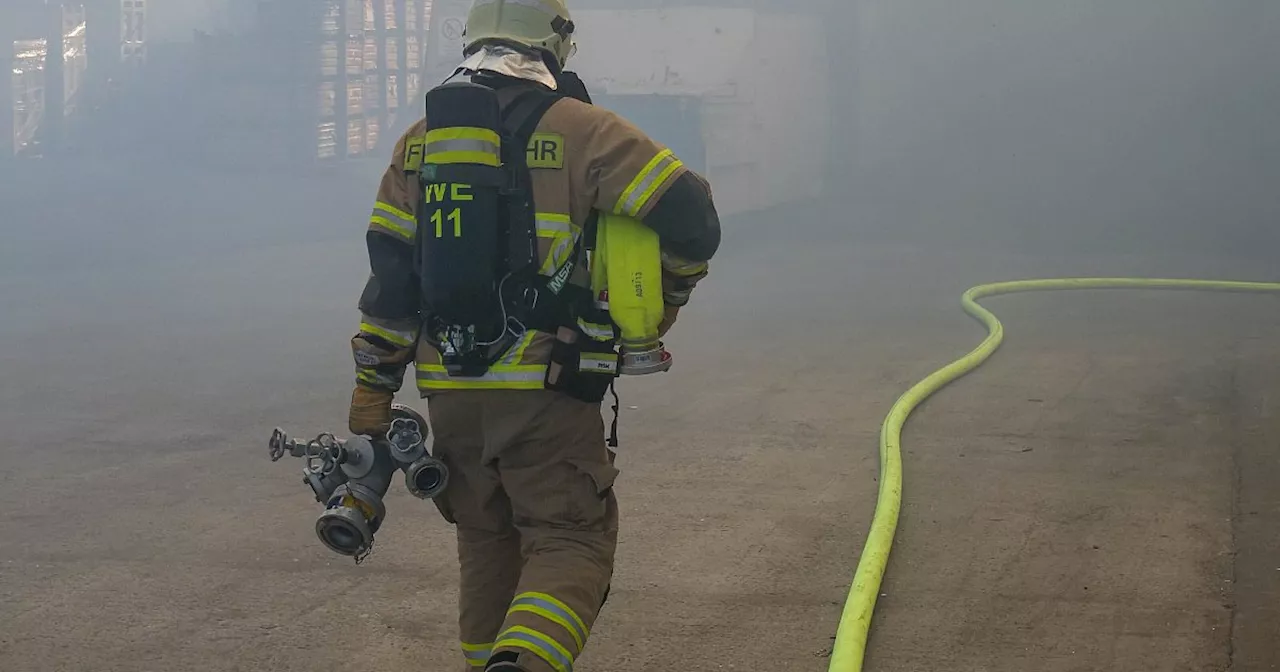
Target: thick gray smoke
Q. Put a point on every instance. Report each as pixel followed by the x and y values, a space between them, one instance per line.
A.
pixel 182 250
pixel 1118 122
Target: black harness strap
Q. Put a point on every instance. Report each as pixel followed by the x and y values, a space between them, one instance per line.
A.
pixel 522 108
pixel 550 301
pixel 545 315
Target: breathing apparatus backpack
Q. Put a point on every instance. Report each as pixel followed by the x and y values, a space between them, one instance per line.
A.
pixel 477 252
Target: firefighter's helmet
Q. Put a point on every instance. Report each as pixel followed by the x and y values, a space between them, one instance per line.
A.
pixel 531 24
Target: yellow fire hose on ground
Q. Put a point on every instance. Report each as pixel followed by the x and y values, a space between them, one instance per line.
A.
pixel 855 621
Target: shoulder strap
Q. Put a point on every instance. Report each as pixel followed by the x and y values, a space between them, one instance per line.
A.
pixel 522 107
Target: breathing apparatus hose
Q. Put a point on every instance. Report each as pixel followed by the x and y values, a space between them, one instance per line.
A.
pixel 855 620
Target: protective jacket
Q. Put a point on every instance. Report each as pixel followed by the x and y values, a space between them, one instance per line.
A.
pixel 582 159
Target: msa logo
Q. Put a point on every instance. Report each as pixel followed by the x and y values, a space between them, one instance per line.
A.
pixel 561 277
pixel 637 282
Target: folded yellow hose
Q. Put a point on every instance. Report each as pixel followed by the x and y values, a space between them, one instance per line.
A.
pixel 851 636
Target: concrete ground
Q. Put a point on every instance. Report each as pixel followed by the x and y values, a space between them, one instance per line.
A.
pixel 1100 496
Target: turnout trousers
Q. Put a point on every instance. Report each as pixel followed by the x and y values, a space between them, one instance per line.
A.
pixel 531 496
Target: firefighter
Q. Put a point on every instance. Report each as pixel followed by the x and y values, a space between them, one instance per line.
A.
pixel 499 342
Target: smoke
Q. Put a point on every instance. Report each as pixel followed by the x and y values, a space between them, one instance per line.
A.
pixel 178 20
pixel 184 274
pixel 1128 124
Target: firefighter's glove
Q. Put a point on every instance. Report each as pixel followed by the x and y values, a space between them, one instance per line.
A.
pixel 370 412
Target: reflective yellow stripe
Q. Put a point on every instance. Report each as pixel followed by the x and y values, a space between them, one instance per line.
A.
pixel 506 374
pixel 462 133
pixel 480 385
pixel 544 647
pixel 401 338
pixel 513 370
pixel 550 616
pixel 383 222
pixel 477 655
pixel 553 612
pixel 462 145
pixel 562 234
pixel 515 377
pixel 393 210
pixel 382 379
pixel 626 199
pixel 600 332
pixel 654 185
pixel 553 223
pixel 516 353
pixel 543 596
pixel 393 220
pixel 682 268
pixel 646 183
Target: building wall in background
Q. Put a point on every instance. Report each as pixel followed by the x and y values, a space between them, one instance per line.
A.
pixel 135 31
pixel 22 22
pixel 765 113
pixel 28 59
pixel 45 47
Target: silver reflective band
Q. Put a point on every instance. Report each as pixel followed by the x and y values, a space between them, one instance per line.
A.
pixel 389 213
pixel 570 619
pixel 516 352
pixel 631 205
pixel 385 380
pixel 561 230
pixel 461 145
pixel 536 373
pixel 401 338
pixel 480 657
pixel 555 257
pixel 553 224
pixel 542 646
pixel 680 266
pixel 600 332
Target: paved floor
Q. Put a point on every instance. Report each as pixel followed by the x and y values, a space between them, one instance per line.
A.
pixel 1101 496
